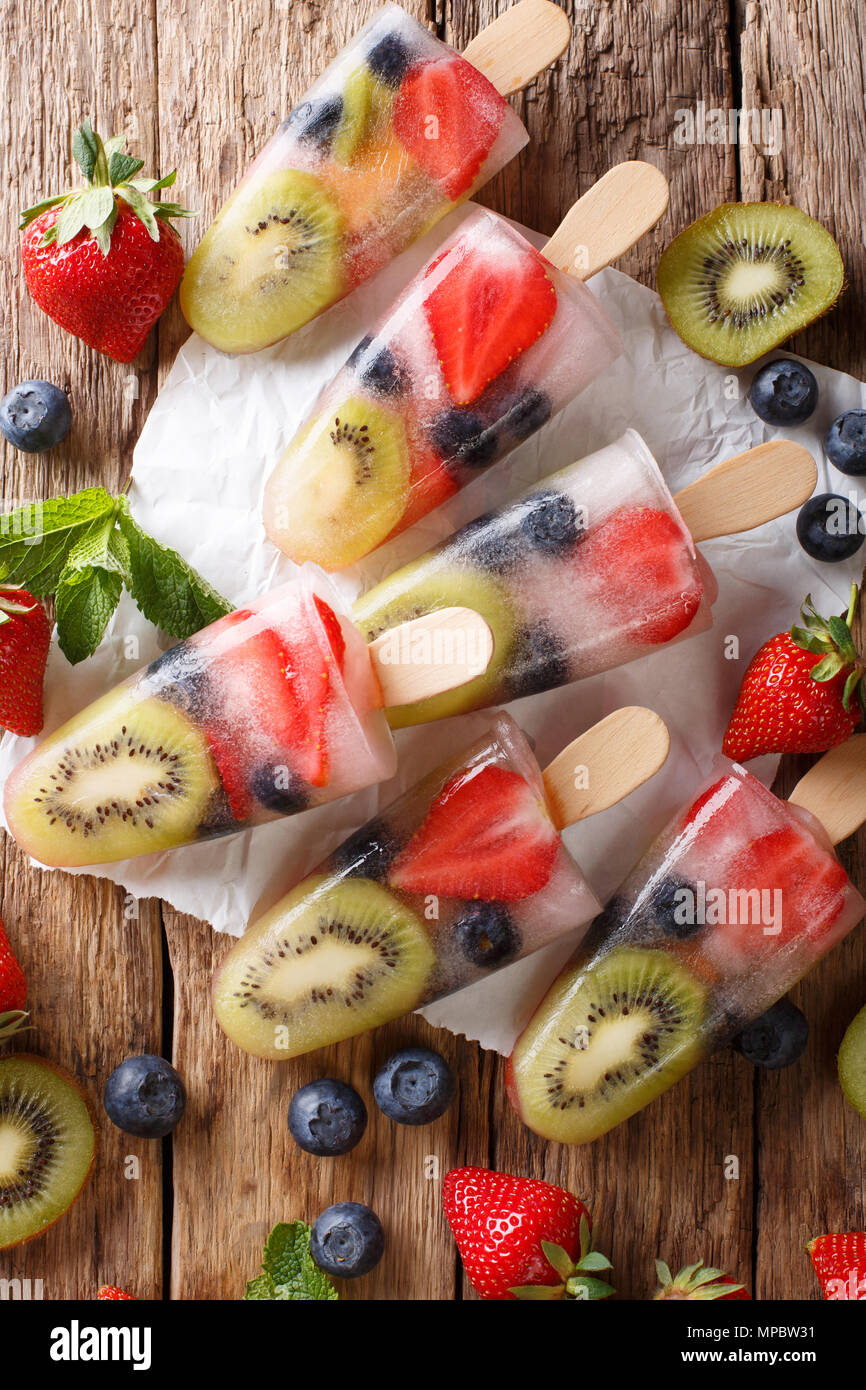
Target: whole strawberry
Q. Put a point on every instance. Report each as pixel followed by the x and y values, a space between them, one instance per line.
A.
pixel 802 691
pixel 13 989
pixel 25 635
pixel 109 1294
pixel 699 1284
pixel 103 260
pixel 840 1264
pixel 520 1238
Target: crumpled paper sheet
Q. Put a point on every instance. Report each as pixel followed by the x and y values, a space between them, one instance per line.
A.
pixel 200 466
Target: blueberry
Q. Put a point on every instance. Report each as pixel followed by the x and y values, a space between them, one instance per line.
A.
pixel 845 444
pixel 776 1039
pixel 315 122
pixel 35 416
pixel 181 677
pixel 486 935
pixel 550 522
pixel 539 662
pixel 327 1118
pixel 461 437
pixel 669 907
pixel 145 1096
pixel 784 392
pixel 380 372
pixel 348 1240
pixel 492 541
pixel 278 789
pixel 520 416
pixel 830 528
pixel 389 59
pixel 414 1087
pixel 368 852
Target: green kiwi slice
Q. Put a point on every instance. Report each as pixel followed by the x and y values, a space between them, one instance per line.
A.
pixel 47 1146
pixel 127 776
pixel 270 262
pixel 366 109
pixel 741 280
pixel 852 1063
pixel 438 580
pixel 336 957
pixel 341 486
pixel 607 1039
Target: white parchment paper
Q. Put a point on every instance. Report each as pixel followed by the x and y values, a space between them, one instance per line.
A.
pixel 200 466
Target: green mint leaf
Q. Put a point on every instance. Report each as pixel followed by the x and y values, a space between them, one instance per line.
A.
pixel 122 166
pixel 103 547
pixel 287 1261
pixel 143 210
pixel 84 603
pixel 260 1288
pixel 168 591
pixel 85 149
pixel 36 540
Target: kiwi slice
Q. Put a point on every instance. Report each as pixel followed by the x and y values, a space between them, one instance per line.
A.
pixel 606 1040
pixel 270 262
pixel 47 1146
pixel 334 958
pixel 366 108
pixel 127 776
pixel 852 1063
pixel 341 486
pixel 741 280
pixel 438 580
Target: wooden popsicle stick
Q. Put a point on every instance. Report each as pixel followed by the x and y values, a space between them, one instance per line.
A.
pixel 834 790
pixel 436 652
pixel 745 491
pixel 615 213
pixel 612 759
pixel 520 44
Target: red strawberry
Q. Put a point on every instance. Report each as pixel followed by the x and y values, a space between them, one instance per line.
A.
pixel 13 989
pixel 25 635
pixel 811 886
pixel 520 1238
pixel 333 631
pixel 483 313
pixel 447 115
pixel 104 261
pixel 640 551
pixel 840 1264
pixel 698 1284
pixel 431 485
pixel 487 835
pixel 796 695
pixel 109 1294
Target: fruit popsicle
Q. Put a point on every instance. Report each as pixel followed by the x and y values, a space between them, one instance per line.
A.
pixel 483 346
pixel 462 875
pixel 396 131
pixel 739 896
pixel 590 568
pixel 267 711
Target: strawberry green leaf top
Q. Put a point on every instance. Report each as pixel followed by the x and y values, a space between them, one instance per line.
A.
pixel 698 1283
pixel 289 1273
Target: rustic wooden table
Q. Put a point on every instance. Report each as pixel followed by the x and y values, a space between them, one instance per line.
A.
pixel 201 86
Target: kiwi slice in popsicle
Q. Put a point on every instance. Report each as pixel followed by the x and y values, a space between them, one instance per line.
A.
pixel 336 957
pixel 608 1037
pixel 852 1063
pixel 741 280
pixel 271 261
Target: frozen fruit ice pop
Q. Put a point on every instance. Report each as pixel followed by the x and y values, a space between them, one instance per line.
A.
pixel 483 346
pixel 591 568
pixel 395 132
pixel 739 897
pixel 272 709
pixel 460 876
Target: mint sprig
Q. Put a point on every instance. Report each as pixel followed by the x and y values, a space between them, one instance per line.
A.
pixel 83 551
pixel 289 1272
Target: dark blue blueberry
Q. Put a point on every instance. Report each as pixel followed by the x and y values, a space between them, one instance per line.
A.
pixel 462 437
pixel 549 522
pixel 348 1240
pixel 327 1118
pixel 279 789
pixel 830 528
pixel 35 416
pixel 784 392
pixel 491 541
pixel 414 1087
pixel 669 907
pixel 845 444
pixel 181 677
pixel 520 416
pixel 539 662
pixel 316 122
pixel 776 1039
pixel 145 1096
pixel 368 852
pixel 486 935
pixel 389 59
pixel 380 372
